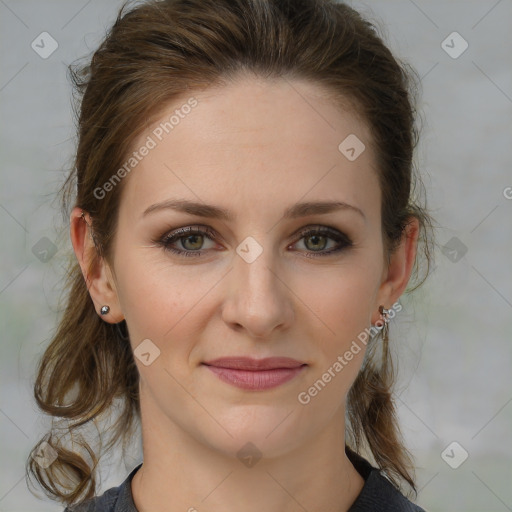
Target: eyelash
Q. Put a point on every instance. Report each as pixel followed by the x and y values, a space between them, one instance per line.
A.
pixel 343 240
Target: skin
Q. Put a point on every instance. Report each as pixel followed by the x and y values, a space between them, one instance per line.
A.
pixel 239 149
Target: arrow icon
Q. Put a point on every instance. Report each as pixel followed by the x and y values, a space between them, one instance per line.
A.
pixel 249 455
pixel 454 249
pixel 454 455
pixel 453 253
pixel 351 147
pixel 147 352
pixel 249 252
pixel 44 250
pixel 454 45
pixel 44 45
pixel 45 455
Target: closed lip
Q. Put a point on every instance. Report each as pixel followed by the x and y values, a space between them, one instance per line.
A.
pixel 249 363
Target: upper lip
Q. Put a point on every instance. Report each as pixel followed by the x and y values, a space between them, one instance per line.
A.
pixel 249 363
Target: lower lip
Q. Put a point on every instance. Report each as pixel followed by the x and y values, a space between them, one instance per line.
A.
pixel 256 380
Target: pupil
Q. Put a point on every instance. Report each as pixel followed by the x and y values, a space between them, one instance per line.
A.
pixel 193 237
pixel 316 237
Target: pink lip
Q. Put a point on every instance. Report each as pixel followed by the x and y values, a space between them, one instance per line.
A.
pixel 248 363
pixel 255 374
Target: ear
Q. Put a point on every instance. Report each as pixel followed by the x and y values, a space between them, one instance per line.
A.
pixel 396 275
pixel 96 271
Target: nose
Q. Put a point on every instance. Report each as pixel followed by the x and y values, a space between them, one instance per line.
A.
pixel 258 299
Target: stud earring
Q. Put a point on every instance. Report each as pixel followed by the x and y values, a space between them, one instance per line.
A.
pixel 104 310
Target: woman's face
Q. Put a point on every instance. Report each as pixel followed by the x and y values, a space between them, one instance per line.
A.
pixel 254 283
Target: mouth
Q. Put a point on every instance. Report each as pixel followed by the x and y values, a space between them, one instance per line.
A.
pixel 251 364
pixel 255 374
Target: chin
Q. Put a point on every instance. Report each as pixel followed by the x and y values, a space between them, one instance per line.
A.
pixel 258 435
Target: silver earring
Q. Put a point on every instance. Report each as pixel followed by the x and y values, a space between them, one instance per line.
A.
pixel 385 313
pixel 385 333
pixel 104 310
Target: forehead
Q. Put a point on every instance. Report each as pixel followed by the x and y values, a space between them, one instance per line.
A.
pixel 255 139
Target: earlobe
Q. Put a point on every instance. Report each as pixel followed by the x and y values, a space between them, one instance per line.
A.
pixel 97 275
pixel 398 272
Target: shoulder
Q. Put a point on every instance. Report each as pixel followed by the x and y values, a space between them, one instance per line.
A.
pixel 104 503
pixel 378 493
pixel 115 499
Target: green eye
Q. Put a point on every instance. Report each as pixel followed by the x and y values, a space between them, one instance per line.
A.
pixel 192 238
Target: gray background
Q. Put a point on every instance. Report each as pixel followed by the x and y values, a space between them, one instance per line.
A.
pixel 454 333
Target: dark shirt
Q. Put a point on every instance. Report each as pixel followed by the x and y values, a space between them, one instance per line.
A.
pixel 378 494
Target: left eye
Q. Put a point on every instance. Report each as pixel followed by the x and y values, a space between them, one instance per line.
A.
pixel 191 239
pixel 319 236
pixel 316 240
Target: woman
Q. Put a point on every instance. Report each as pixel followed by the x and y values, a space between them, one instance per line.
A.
pixel 244 225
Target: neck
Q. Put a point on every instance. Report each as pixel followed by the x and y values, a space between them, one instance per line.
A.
pixel 183 472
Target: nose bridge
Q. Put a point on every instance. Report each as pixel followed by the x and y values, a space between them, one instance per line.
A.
pixel 253 263
pixel 258 299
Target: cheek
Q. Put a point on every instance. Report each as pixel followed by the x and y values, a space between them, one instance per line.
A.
pixel 141 294
pixel 161 301
pixel 338 329
pixel 339 304
pixel 341 297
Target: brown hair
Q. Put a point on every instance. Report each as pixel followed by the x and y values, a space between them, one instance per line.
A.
pixel 153 53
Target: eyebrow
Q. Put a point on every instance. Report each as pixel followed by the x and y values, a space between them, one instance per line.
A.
pixel 216 212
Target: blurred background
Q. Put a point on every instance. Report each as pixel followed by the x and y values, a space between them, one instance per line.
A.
pixel 452 339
